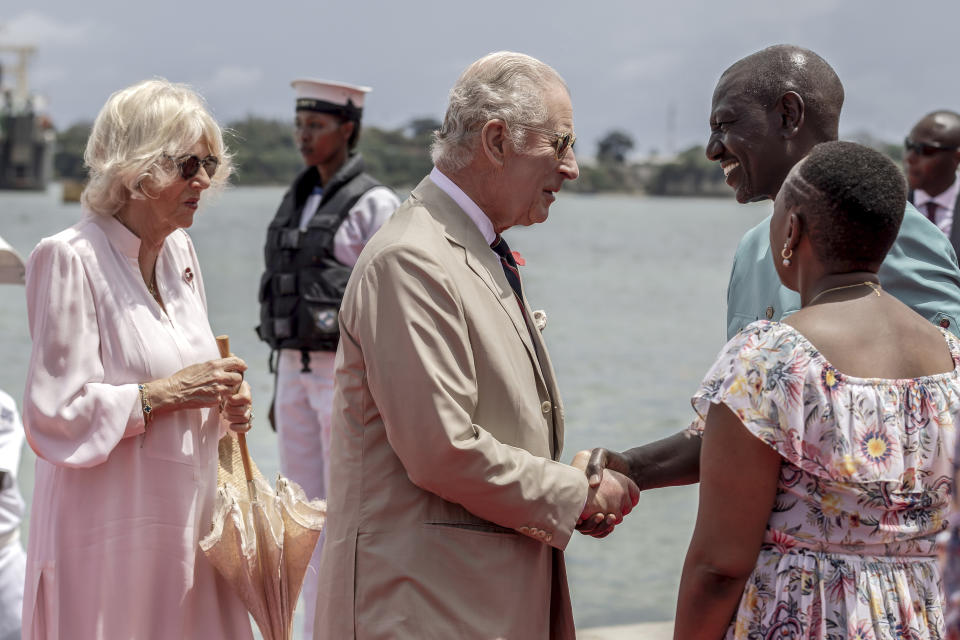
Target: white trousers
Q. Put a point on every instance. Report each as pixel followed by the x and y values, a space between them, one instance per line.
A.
pixel 13 566
pixel 302 412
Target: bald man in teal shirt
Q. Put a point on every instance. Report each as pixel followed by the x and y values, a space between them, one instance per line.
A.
pixel 769 110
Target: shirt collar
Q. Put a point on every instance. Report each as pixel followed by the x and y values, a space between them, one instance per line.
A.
pixel 946 200
pixel 119 236
pixel 469 207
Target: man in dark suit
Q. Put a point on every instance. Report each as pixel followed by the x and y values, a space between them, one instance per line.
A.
pixel 932 158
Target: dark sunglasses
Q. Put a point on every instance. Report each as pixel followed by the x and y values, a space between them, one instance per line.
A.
pixel 926 148
pixel 190 165
pixel 561 141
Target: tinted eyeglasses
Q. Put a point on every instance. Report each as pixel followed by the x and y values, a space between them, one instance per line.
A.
pixel 561 141
pixel 926 148
pixel 190 165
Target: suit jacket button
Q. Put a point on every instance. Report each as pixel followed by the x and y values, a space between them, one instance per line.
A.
pixel 541 534
pixel 546 406
pixel 769 313
pixel 548 538
pixel 525 530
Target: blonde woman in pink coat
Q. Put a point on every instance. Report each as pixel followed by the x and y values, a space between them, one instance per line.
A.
pixel 126 395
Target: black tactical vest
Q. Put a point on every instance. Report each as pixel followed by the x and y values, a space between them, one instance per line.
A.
pixel 302 287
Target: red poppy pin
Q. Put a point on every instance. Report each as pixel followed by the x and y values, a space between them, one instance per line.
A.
pixel 518 258
pixel 188 276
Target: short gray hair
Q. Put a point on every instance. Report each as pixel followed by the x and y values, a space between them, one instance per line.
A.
pixel 136 133
pixel 499 86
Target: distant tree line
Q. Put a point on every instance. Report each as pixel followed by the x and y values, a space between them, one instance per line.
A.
pixel 265 154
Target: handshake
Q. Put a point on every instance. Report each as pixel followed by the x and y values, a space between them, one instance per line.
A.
pixel 612 493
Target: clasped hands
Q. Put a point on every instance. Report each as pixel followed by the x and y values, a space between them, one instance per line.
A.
pixel 216 383
pixel 611 494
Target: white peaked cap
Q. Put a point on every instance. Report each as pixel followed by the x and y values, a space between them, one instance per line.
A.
pixel 320 95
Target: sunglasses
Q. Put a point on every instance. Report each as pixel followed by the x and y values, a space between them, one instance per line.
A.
pixel 926 148
pixel 561 141
pixel 189 166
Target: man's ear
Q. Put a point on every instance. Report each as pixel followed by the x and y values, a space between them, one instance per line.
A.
pixel 790 109
pixel 493 141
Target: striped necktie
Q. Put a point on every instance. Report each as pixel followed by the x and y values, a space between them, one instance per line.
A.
pixel 509 266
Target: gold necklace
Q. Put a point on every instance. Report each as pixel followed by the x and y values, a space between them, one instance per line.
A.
pixel 152 288
pixel 873 285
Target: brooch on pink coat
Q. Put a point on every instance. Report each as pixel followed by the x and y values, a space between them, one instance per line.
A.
pixel 188 276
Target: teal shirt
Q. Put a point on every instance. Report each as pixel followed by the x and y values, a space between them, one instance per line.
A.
pixel 920 270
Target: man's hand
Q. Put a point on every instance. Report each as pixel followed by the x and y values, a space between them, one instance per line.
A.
pixel 595 521
pixel 614 497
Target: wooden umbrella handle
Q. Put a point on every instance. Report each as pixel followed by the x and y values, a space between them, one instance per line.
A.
pixel 223 343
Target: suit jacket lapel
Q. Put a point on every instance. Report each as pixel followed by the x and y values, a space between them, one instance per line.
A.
pixel 481 259
pixel 546 369
pixel 532 339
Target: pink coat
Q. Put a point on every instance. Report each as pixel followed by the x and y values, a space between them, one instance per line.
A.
pixel 118 511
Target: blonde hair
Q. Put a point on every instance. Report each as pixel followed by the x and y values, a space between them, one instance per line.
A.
pixel 504 86
pixel 135 135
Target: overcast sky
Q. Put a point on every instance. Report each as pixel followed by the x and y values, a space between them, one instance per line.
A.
pixel 629 64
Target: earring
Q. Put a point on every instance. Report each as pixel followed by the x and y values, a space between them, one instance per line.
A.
pixel 786 256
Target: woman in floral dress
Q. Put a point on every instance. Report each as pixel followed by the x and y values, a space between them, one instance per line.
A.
pixel 826 463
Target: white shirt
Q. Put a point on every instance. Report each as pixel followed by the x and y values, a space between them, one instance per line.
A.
pixel 367 215
pixel 11 443
pixel 470 207
pixel 945 202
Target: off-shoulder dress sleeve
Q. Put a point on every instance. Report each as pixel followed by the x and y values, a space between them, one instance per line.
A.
pixel 72 418
pixel 760 375
pixel 823 421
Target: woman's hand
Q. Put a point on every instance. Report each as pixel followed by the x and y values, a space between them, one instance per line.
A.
pixel 238 410
pixel 200 385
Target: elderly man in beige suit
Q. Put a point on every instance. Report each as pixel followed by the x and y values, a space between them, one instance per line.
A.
pixel 448 507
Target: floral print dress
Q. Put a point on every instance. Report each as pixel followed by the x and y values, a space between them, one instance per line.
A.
pixel 865 486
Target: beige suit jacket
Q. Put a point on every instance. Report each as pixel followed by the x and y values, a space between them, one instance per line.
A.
pixel 448 510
